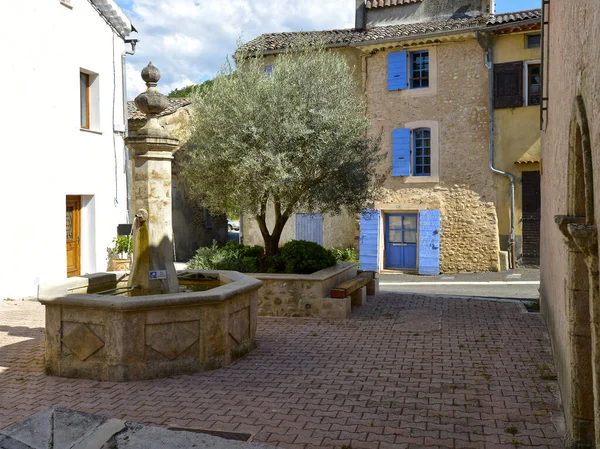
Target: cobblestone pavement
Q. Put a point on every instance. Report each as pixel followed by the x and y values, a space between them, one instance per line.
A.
pixel 403 372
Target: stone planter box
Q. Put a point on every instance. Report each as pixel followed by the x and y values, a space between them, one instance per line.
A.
pixel 304 295
pixel 120 338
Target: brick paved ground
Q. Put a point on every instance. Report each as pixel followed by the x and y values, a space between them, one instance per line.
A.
pixel 403 372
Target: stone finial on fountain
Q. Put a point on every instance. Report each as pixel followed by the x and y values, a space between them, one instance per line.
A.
pixel 152 103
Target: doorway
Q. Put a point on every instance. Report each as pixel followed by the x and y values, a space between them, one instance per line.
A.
pixel 531 200
pixel 401 241
pixel 73 236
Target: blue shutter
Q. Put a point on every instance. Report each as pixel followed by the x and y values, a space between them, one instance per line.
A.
pixel 397 71
pixel 401 152
pixel 309 227
pixel 369 240
pixel 429 242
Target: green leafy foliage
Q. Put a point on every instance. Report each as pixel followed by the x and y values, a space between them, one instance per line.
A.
pixel 190 90
pixel 345 254
pixel 302 257
pixel 294 141
pixel 232 256
pixel 122 246
pixel 297 256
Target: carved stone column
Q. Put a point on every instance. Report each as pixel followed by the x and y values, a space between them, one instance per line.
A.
pixel 152 148
pixel 585 236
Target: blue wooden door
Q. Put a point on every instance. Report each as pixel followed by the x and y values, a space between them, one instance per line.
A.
pixel 429 242
pixel 369 240
pixel 401 241
pixel 309 227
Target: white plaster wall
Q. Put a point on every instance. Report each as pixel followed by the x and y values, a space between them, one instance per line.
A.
pixel 45 155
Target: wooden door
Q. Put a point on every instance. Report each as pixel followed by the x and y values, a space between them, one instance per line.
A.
pixel 531 217
pixel 73 235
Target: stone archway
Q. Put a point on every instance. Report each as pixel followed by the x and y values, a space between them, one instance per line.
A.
pixel 583 310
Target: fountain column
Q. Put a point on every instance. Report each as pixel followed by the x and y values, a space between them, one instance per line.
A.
pixel 152 148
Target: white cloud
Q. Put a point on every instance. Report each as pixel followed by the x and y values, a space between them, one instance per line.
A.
pixel 188 40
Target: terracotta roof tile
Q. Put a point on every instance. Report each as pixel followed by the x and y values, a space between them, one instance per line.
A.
pixel 351 36
pixel 509 17
pixel 371 4
pixel 133 113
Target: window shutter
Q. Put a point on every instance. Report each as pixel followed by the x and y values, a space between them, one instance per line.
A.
pixel 369 240
pixel 401 152
pixel 309 227
pixel 429 242
pixel 397 71
pixel 508 85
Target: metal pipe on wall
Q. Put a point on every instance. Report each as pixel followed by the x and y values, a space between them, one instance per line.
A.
pixel 489 63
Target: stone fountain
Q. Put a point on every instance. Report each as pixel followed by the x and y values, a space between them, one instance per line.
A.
pixel 138 325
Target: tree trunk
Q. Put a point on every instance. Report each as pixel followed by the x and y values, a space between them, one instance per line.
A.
pixel 271 239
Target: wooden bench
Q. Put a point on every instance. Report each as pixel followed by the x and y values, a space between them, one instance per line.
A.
pixel 350 286
pixel 357 288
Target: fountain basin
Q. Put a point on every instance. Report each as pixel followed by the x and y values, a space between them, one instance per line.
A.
pixel 118 338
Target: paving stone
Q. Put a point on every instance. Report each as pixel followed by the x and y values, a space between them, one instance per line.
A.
pixel 376 380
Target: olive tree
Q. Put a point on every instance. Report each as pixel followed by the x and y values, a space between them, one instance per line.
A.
pixel 294 140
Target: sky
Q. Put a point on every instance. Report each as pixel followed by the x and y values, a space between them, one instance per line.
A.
pixel 188 40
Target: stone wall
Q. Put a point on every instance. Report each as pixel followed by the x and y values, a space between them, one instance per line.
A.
pixel 302 295
pixel 468 237
pixel 339 231
pixel 466 192
pixel 573 51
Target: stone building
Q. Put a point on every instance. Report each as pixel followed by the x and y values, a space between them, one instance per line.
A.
pixel 423 71
pixel 64 172
pixel 193 225
pixel 515 53
pixel 571 209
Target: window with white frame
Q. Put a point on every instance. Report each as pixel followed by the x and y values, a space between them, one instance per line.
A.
pixel 415 152
pixel 409 70
pixel 89 100
pixel 419 69
pixel 421 142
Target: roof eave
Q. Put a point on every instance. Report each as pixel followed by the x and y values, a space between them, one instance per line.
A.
pixel 414 37
pixel 516 24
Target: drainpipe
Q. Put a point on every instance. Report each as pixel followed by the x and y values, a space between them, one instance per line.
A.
pixel 489 63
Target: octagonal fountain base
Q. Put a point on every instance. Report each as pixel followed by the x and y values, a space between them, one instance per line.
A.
pixel 118 338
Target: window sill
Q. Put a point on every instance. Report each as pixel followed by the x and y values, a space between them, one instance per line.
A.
pixel 67 5
pixel 421 179
pixel 419 92
pixel 93 131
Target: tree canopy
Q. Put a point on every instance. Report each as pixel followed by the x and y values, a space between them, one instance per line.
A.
pixel 294 140
pixel 188 91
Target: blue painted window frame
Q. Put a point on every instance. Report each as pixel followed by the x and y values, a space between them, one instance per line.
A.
pixel 421 152
pixel 269 71
pixel 419 69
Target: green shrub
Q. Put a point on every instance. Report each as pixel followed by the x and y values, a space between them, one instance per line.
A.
pixel 297 256
pixel 203 258
pixel 232 256
pixel 345 254
pixel 302 257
